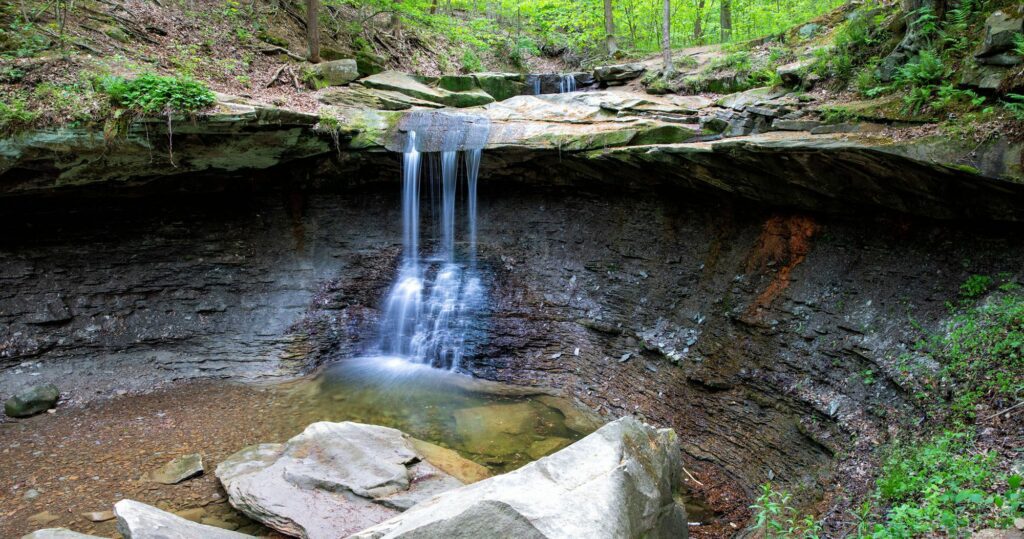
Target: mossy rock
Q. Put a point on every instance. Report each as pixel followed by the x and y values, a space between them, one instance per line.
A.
pixel 457 83
pixel 32 401
pixel 501 86
pixel 369 63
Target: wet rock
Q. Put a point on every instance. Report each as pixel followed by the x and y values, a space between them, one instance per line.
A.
pixel 366 472
pixel 57 533
pixel 576 418
pixel 177 470
pixel 31 401
pixel 542 448
pixel 1000 29
pixel 336 72
pixel 450 462
pixel 619 72
pixel 618 482
pixel 136 520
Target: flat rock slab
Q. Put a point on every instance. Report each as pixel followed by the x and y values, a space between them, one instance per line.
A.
pixel 177 470
pixel 136 520
pixel 333 479
pixel 621 481
pixel 58 533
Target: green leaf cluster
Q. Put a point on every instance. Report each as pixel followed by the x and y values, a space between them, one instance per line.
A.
pixel 155 94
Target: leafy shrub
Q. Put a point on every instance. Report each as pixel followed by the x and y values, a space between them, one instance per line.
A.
pixel 943 486
pixel 155 94
pixel 1015 105
pixel 975 285
pixel 776 519
pixel 14 114
pixel 471 62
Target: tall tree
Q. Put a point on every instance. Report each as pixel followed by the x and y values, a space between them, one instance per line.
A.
pixel 725 20
pixel 666 37
pixel 698 28
pixel 313 29
pixel 396 18
pixel 609 28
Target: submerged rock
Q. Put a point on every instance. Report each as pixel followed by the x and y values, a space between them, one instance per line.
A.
pixel 620 481
pixel 136 520
pixel 57 533
pixel 34 400
pixel 367 473
pixel 177 470
pixel 477 427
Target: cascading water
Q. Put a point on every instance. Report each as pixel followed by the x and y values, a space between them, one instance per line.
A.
pixel 566 84
pixel 430 307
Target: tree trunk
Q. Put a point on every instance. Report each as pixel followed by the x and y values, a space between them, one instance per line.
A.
pixel 433 7
pixel 725 20
pixel 698 30
pixel 666 37
pixel 313 29
pixel 396 19
pixel 609 29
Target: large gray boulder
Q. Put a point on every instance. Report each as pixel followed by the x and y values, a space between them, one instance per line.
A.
pixel 336 72
pixel 620 481
pixel 618 72
pixel 32 401
pixel 332 480
pixel 1000 29
pixel 136 520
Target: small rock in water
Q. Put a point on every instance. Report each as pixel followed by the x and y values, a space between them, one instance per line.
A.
pixel 625 357
pixel 34 400
pixel 177 470
pixel 99 516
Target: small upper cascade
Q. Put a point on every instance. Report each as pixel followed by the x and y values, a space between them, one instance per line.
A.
pixel 567 84
pixel 437 291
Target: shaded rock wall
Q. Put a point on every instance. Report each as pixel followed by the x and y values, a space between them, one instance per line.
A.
pixel 749 329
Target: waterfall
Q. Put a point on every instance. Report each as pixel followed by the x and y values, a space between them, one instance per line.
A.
pixel 567 83
pixel 431 304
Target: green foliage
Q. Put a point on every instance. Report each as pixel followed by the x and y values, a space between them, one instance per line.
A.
pixel 837 115
pixel 1015 105
pixel 776 519
pixel 943 486
pixel 1018 44
pixel 975 286
pixel 155 94
pixel 471 62
pixel 921 78
pixel 15 114
pixel 313 80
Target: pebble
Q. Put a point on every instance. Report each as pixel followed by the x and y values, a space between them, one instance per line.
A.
pixel 31 494
pixel 625 357
pixel 99 516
